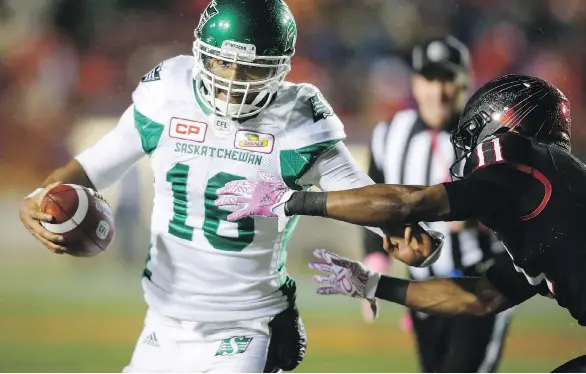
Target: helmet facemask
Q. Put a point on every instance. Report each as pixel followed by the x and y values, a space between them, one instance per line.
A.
pixel 233 81
pixel 468 134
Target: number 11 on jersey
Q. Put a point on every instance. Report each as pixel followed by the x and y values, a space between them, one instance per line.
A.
pixel 492 150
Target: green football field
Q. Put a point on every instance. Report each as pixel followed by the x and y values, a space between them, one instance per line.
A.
pixel 64 315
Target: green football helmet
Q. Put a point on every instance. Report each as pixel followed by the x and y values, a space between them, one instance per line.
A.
pixel 243 51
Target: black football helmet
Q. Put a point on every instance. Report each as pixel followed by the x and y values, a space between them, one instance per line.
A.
pixel 523 104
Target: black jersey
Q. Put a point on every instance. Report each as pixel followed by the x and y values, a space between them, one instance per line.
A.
pixel 533 195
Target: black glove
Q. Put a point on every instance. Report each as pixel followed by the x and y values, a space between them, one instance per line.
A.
pixel 288 341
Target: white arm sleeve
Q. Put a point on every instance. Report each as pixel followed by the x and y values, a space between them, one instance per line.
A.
pixel 114 154
pixel 335 170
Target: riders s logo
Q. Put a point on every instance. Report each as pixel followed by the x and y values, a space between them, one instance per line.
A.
pixel 188 130
pixel 210 11
pixel 233 346
pixel 254 141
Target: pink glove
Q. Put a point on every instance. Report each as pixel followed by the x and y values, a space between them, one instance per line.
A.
pixel 345 277
pixel 265 197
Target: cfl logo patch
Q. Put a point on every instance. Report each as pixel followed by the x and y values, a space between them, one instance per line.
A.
pixel 102 230
pixel 222 125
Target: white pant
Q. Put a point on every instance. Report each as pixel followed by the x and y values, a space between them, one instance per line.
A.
pixel 171 345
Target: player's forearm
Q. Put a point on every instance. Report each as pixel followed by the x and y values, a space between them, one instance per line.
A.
pixel 450 296
pixel 376 205
pixel 336 170
pixel 367 206
pixel 400 189
pixel 72 173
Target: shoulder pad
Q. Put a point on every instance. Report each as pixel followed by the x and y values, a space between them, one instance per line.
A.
pixel 508 148
pixel 151 90
pixel 311 103
pixel 312 119
pixel 320 108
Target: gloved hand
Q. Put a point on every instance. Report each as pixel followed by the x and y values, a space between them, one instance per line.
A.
pixel 265 197
pixel 345 277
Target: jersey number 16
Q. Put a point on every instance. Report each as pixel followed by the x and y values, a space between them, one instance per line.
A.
pixel 178 227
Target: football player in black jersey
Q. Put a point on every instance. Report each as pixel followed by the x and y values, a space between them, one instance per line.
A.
pixel 520 179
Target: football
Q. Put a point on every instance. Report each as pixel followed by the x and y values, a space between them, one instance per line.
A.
pixel 82 217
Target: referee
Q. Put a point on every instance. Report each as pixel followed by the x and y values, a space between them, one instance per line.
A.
pixel 414 148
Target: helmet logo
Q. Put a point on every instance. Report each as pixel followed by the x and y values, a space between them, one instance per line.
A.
pixel 291 33
pixel 210 11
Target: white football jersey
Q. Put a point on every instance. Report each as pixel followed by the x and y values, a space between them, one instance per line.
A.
pixel 202 267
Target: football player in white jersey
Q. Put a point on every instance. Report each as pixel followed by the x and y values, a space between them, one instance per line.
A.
pixel 218 292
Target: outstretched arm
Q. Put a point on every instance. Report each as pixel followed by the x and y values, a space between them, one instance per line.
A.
pixel 336 170
pixel 390 204
pixel 270 196
pixel 448 296
pixel 497 290
pixel 485 191
pixel 377 205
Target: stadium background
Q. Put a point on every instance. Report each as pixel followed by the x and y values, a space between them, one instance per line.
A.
pixel 67 69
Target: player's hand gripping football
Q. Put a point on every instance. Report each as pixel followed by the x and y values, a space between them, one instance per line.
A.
pixel 31 217
pixel 265 197
pixel 345 277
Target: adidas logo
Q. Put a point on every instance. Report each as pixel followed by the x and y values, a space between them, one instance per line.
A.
pixel 151 339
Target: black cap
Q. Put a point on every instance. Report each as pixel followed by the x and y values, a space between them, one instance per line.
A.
pixel 441 57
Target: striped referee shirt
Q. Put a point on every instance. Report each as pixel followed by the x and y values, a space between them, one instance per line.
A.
pixel 405 151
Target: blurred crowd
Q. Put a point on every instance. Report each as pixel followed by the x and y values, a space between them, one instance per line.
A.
pixel 65 60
